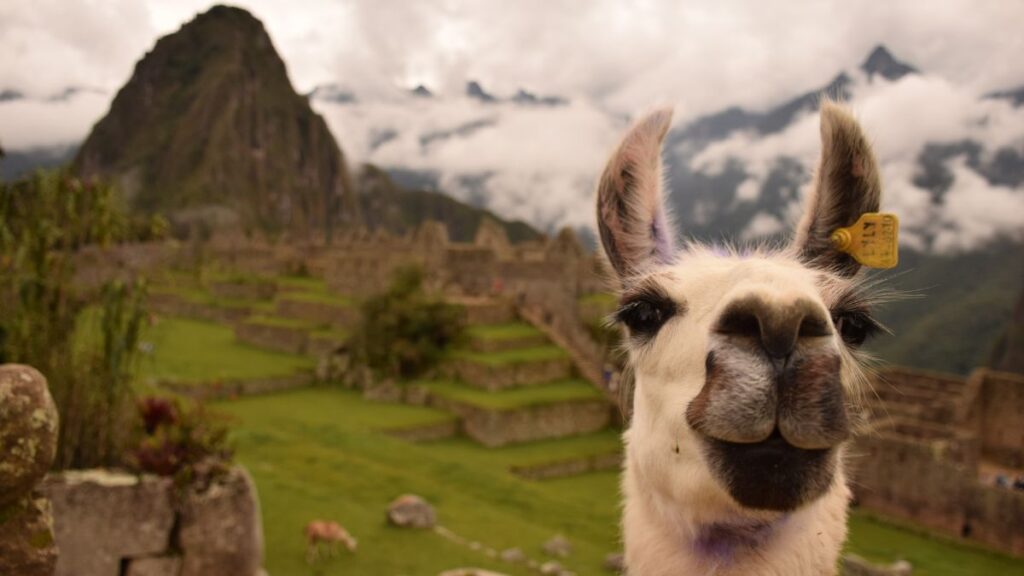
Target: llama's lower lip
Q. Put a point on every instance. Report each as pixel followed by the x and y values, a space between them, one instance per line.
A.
pixel 771 474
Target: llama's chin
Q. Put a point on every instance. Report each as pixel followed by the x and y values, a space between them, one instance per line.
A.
pixel 771 474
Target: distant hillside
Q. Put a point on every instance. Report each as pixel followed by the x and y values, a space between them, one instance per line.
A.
pixel 385 204
pixel 957 310
pixel 1008 355
pixel 209 119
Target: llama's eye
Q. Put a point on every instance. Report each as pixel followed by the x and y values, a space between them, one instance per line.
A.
pixel 855 327
pixel 645 316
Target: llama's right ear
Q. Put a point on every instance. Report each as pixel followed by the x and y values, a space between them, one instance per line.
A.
pixel 635 229
pixel 846 185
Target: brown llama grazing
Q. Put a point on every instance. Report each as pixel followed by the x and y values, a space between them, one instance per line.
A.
pixel 325 532
pixel 746 367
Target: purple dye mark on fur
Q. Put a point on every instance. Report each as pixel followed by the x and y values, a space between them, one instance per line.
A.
pixel 721 542
pixel 664 247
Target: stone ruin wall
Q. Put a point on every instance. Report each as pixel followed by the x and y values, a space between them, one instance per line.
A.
pixel 1001 415
pixel 103 523
pixel 913 468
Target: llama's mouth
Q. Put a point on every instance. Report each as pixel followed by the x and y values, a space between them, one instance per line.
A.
pixel 771 474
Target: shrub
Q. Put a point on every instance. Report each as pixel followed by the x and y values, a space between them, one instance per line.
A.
pixel 404 332
pixel 44 220
pixel 185 442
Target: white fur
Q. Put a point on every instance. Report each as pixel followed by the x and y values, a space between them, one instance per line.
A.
pixel 677 511
pixel 669 491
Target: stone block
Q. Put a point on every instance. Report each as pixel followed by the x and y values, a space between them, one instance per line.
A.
pixel 102 517
pixel 220 528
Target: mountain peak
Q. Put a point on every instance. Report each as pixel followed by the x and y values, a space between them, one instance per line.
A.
pixel 209 118
pixel 421 91
pixel 475 90
pixel 883 63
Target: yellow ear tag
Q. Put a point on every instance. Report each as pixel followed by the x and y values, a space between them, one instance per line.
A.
pixel 873 240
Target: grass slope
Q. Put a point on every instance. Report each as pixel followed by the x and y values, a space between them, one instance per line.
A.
pixel 194 351
pixel 315 454
pixel 510 331
pixel 566 390
pixel 517 356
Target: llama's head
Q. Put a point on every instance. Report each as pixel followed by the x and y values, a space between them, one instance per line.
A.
pixel 745 363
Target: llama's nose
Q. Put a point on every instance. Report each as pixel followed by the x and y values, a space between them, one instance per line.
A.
pixel 777 326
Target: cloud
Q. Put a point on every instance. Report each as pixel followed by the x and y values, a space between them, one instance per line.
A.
pixel 614 60
pixel 901 118
pixel 26 124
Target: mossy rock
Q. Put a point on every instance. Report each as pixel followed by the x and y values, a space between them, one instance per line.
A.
pixel 28 430
pixel 26 537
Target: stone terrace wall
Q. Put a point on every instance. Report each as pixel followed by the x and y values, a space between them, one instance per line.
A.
pixel 114 524
pixel 1001 421
pixel 910 479
pixel 494 428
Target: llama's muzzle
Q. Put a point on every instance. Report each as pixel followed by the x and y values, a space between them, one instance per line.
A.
pixel 772 409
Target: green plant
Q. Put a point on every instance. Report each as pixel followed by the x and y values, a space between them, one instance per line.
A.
pixel 44 221
pixel 404 332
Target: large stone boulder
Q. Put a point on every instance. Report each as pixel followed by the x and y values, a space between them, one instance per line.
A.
pixel 28 444
pixel 558 546
pixel 853 565
pixel 220 528
pixel 411 511
pixel 103 517
pixel 28 431
pixel 26 538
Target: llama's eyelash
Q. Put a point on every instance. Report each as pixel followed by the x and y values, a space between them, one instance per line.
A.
pixel 644 313
pixel 855 325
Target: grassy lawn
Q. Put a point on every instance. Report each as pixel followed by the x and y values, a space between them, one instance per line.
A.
pixel 517 356
pixel 302 284
pixel 878 540
pixel 280 322
pixel 195 351
pixel 599 298
pixel 318 298
pixel 516 397
pixel 316 454
pixel 511 331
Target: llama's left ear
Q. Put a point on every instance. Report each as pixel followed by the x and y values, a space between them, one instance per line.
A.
pixel 635 229
pixel 846 185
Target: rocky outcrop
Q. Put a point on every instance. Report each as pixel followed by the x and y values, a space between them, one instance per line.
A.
pixel 28 444
pixel 28 430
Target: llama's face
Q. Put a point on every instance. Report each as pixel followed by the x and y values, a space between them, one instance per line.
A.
pixel 743 363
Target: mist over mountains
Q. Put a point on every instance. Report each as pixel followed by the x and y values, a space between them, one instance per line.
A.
pixel 952 161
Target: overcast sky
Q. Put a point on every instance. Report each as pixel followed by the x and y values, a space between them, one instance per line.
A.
pixel 612 59
pixel 628 54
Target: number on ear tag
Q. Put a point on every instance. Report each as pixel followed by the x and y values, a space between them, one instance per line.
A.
pixel 873 240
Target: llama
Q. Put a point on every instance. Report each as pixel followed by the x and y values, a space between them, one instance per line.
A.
pixel 747 373
pixel 320 532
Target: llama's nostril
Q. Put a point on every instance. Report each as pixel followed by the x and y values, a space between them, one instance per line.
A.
pixel 777 327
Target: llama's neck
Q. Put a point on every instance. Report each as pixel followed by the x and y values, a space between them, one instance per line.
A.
pixel 666 536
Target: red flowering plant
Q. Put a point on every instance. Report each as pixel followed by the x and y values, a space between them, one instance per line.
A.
pixel 186 442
